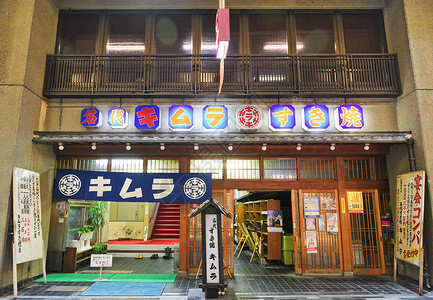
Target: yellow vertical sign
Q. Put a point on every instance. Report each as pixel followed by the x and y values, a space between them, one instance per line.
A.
pixel 343 205
pixel 354 201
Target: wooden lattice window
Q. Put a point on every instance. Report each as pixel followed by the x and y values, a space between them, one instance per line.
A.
pixel 64 164
pixel 214 166
pixel 316 168
pixel 380 167
pixel 357 169
pixel 279 168
pixel 162 166
pixel 243 169
pixel 127 165
pixel 100 165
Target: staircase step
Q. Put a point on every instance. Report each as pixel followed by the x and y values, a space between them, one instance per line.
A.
pixel 163 231
pixel 165 236
pixel 168 219
pixel 162 225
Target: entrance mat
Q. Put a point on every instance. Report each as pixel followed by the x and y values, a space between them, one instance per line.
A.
pixel 72 277
pixel 124 289
pixel 143 278
pixel 141 242
pixel 108 271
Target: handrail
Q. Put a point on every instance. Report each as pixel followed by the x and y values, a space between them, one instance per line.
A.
pixel 245 75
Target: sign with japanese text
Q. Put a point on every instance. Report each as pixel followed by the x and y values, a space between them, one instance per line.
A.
pixel 133 187
pixel 181 118
pixel 249 117
pixel 117 118
pixel 311 241
pixel 355 202
pixel 315 117
pixel 212 255
pixel 282 117
pixel 215 117
pixel 28 244
pixel 311 207
pixel 91 117
pixel 410 216
pixel 349 117
pixel 101 260
pixel 275 221
pixel 147 117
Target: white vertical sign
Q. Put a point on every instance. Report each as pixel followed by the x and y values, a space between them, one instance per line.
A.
pixel 212 259
pixel 28 244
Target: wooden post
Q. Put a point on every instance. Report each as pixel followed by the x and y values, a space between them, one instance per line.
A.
pixel 14 271
pixel 421 272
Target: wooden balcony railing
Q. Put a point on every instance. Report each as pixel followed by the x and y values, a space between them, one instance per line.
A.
pixel 164 75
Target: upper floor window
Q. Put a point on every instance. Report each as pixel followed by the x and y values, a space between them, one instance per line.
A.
pixel 363 33
pixel 173 33
pixel 267 33
pixel 208 35
pixel 126 34
pixel 78 34
pixel 315 33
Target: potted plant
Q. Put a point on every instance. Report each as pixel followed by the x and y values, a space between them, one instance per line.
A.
pixel 96 219
pixel 83 237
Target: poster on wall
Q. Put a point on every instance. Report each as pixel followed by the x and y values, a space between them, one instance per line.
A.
pixel 332 223
pixel 410 216
pixel 328 203
pixel 28 244
pixel 354 200
pixel 275 221
pixel 311 240
pixel 310 224
pixel 322 223
pixel 311 207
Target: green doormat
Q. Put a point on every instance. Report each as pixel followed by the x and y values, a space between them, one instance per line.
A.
pixel 143 277
pixel 72 277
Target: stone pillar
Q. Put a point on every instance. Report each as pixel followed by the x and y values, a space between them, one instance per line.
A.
pixel 27 35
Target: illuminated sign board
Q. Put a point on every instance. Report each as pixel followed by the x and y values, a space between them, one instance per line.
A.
pixel 249 117
pixel 349 117
pixel 215 117
pixel 180 117
pixel 147 117
pixel 282 117
pixel 315 118
pixel 117 118
pixel 91 117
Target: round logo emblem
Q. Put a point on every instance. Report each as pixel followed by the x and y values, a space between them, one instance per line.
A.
pixel 249 117
pixel 69 185
pixel 194 188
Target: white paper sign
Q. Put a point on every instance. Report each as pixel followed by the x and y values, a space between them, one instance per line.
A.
pixel 212 259
pixel 28 244
pixel 101 260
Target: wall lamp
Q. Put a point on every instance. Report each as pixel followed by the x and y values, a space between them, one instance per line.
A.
pixel 298 147
pixel 230 147
pixel 162 146
pixel 196 147
pixel 61 147
pixel 128 146
pixel 264 147
pixel 367 146
pixel 93 146
pixel 332 148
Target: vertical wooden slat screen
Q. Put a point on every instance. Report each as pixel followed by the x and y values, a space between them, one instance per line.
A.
pixel 357 169
pixel 316 168
pixel 296 215
pixel 162 166
pixel 367 253
pixel 282 168
pixel 328 256
pixel 387 232
pixel 194 242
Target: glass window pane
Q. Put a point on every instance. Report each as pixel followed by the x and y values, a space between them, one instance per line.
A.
pixel 214 166
pixel 78 33
pixel 314 33
pixel 173 34
pixel 162 166
pixel 317 169
pixel 127 165
pixel 100 165
pixel 208 36
pixel 267 33
pixel 243 169
pixel 362 33
pixel 126 34
pixel 279 168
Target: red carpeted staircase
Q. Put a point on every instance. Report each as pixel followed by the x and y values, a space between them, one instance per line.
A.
pixel 167 223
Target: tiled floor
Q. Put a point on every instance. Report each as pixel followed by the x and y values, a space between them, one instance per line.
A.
pixel 251 281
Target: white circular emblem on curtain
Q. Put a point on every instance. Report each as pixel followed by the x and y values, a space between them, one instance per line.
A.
pixel 69 184
pixel 194 188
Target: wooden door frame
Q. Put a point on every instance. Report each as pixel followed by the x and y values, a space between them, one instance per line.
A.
pixel 301 229
pixel 382 270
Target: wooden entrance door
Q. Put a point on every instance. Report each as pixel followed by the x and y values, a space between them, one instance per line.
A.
pixel 366 236
pixel 327 258
pixel 225 197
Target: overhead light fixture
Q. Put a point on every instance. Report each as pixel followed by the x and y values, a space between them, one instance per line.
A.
pixel 332 148
pixel 366 146
pixel 264 147
pixel 93 146
pixel 128 146
pixel 298 147
pixel 230 147
pixel 162 147
pixel 61 147
pixel 196 147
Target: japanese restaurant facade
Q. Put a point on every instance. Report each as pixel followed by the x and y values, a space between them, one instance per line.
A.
pixel 315 102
